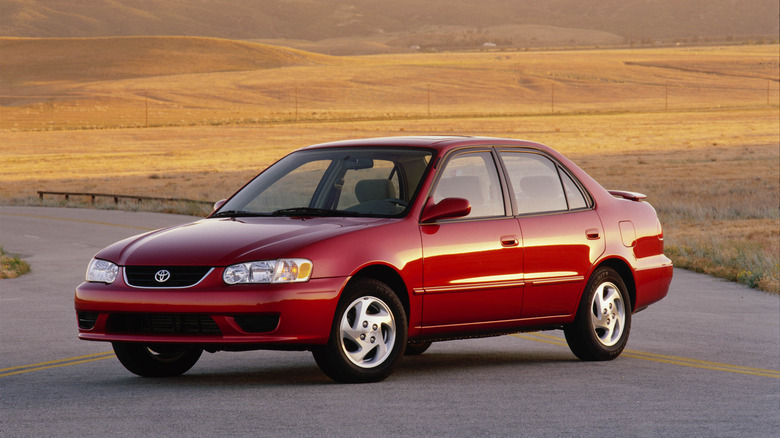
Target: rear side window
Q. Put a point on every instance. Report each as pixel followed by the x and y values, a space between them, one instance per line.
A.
pixel 573 195
pixel 539 185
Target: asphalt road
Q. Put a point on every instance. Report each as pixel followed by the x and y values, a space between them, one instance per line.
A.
pixel 705 361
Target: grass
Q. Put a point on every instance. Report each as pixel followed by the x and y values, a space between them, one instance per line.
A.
pixel 717 202
pixel 707 154
pixel 134 92
pixel 748 264
pixel 11 266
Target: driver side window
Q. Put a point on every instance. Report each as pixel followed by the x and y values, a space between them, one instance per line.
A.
pixel 472 176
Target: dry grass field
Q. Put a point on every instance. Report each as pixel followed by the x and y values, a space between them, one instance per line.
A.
pixel 697 129
pixel 94 83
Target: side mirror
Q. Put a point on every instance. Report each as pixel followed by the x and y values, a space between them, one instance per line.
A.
pixel 447 208
pixel 219 204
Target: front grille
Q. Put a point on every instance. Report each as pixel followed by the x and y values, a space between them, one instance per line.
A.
pixel 257 323
pixel 151 276
pixel 162 324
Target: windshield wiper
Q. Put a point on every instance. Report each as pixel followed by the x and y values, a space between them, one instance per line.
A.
pixel 311 211
pixel 237 213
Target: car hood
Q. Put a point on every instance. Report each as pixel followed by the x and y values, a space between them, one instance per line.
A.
pixel 222 242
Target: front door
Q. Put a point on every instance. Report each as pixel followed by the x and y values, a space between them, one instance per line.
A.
pixel 473 265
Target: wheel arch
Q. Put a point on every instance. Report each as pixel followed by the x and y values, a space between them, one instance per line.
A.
pixel 391 278
pixel 624 270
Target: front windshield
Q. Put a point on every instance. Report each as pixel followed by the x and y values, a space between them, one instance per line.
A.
pixel 368 181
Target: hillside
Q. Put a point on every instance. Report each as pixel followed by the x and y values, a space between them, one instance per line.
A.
pixel 100 59
pixel 162 81
pixel 382 20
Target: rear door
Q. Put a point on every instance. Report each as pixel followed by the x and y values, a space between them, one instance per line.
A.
pixel 562 234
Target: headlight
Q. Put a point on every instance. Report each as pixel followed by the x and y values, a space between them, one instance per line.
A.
pixel 102 271
pixel 269 271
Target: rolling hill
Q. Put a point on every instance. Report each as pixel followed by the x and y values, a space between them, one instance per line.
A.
pixel 314 20
pixel 59 60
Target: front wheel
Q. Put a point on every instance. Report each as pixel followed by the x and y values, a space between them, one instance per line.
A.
pixel 416 348
pixel 156 360
pixel 600 328
pixel 368 335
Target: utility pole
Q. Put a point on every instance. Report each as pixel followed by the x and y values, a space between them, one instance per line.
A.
pixel 429 100
pixel 666 104
pixel 552 99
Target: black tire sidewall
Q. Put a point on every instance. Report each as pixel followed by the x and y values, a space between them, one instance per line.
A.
pixel 138 360
pixel 332 359
pixel 580 335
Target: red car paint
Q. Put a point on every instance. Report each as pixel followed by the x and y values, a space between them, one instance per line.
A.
pixel 455 277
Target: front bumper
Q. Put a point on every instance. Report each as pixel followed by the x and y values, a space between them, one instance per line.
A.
pixel 210 314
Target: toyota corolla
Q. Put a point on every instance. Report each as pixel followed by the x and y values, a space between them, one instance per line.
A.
pixel 362 251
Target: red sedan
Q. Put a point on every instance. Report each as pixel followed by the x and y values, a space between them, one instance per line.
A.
pixel 362 251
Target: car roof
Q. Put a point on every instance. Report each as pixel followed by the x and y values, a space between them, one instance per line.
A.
pixel 438 142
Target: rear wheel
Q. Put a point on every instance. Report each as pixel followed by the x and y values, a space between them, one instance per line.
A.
pixel 368 335
pixel 600 328
pixel 156 360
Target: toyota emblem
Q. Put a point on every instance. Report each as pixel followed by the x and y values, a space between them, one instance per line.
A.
pixel 162 275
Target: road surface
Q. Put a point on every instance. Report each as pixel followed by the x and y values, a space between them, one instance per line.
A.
pixel 705 361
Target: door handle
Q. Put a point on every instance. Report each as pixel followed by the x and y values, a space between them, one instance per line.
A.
pixel 592 233
pixel 508 241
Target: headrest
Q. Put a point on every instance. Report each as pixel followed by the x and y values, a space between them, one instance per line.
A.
pixel 374 189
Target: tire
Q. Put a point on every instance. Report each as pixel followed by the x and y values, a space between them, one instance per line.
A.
pixel 156 360
pixel 416 348
pixel 600 328
pixel 368 335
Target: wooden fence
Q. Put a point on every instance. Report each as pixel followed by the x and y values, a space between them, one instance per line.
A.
pixel 116 198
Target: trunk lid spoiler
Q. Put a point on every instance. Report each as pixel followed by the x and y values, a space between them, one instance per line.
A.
pixel 632 196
